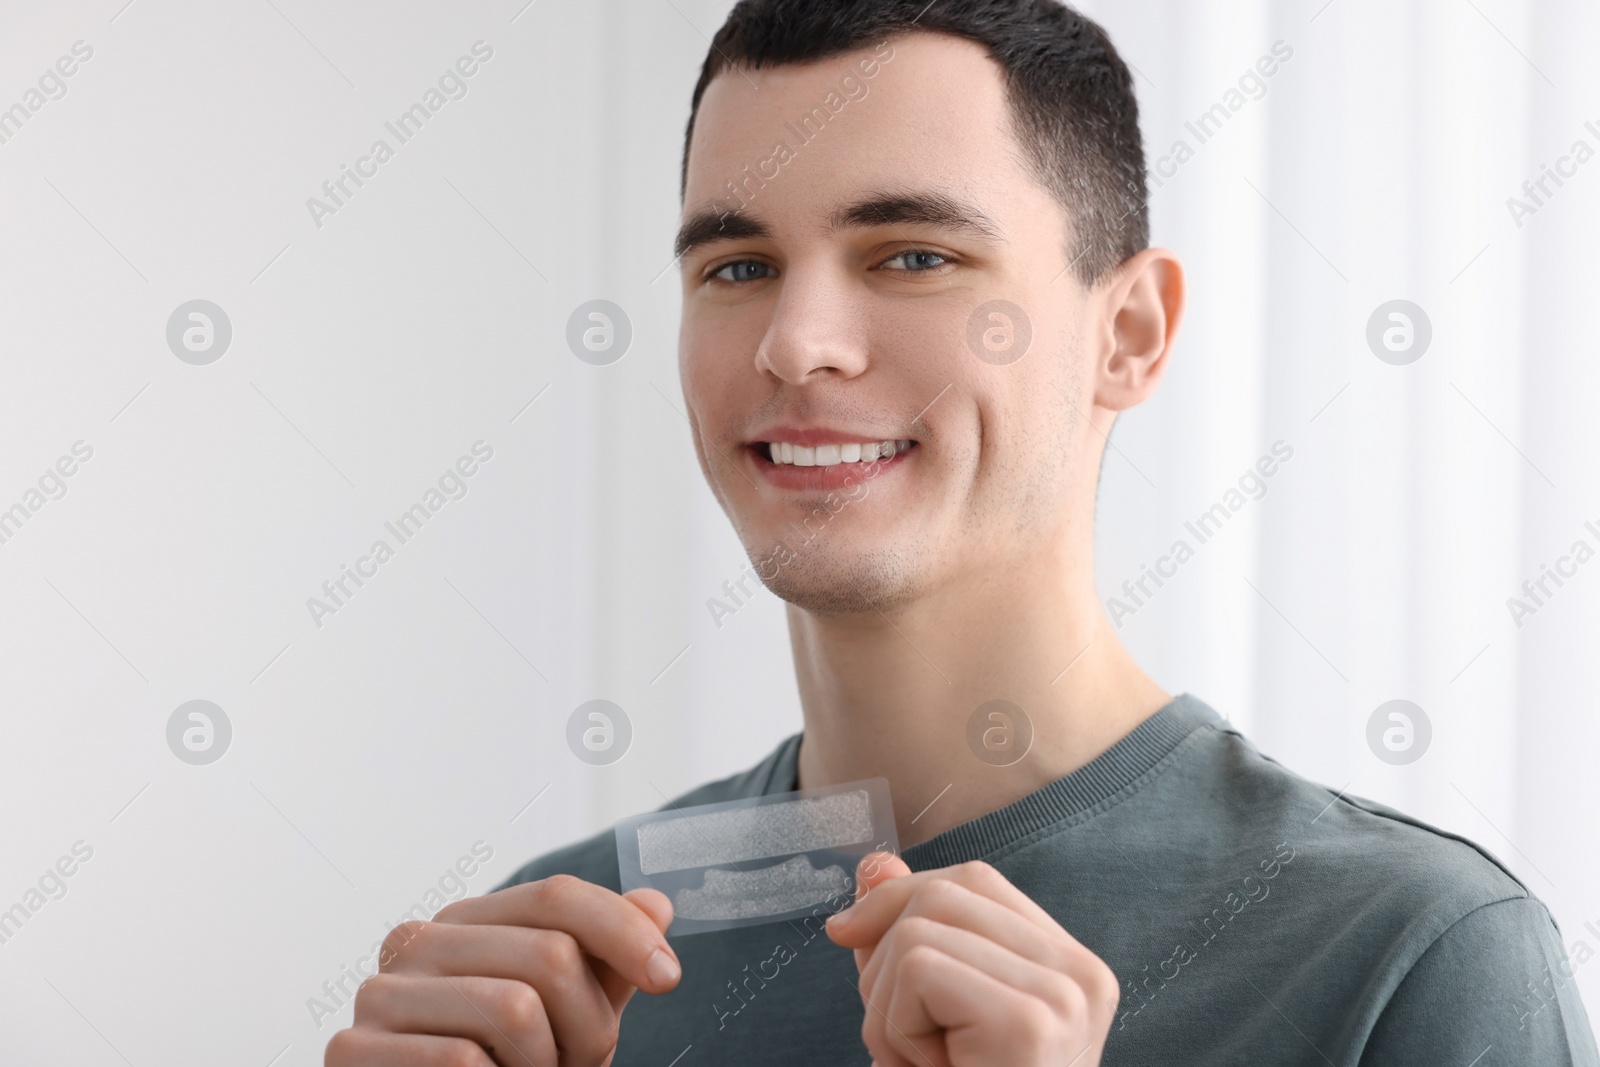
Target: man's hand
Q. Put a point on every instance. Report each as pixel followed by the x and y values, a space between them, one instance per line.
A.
pixel 960 969
pixel 534 974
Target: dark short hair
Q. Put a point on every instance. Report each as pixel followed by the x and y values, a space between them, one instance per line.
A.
pixel 1071 96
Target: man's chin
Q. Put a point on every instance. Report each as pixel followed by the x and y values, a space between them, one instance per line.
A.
pixel 876 580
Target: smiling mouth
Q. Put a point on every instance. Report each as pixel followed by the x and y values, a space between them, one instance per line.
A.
pixel 783 453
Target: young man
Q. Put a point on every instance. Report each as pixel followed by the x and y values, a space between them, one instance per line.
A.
pixel 916 293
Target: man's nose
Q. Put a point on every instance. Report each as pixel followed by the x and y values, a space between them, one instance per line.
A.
pixel 817 331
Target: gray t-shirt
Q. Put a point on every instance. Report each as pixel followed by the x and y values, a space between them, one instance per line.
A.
pixel 1252 916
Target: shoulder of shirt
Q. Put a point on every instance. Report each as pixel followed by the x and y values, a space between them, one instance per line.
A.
pixel 1336 833
pixel 594 858
pixel 1374 889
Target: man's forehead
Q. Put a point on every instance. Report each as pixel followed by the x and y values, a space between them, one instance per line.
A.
pixel 925 93
pixel 913 141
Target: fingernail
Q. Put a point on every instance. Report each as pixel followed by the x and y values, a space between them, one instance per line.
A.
pixel 840 918
pixel 661 968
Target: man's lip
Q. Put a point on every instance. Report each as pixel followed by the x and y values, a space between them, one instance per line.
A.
pixel 820 435
pixel 824 479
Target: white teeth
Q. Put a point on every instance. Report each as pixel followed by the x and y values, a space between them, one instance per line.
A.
pixel 831 455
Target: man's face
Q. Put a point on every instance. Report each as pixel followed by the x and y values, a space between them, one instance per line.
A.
pixel 825 329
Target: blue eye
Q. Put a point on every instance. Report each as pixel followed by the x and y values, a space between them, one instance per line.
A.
pixel 920 259
pixel 741 276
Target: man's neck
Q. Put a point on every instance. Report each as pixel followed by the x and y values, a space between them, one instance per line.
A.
pixel 893 697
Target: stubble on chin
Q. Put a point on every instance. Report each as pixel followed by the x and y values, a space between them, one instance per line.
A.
pixel 823 581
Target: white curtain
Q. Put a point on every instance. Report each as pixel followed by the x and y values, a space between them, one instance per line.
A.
pixel 1376 164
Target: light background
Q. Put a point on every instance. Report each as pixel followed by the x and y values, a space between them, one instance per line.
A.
pixel 369 353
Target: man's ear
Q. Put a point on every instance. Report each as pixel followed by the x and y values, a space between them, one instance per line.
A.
pixel 1140 308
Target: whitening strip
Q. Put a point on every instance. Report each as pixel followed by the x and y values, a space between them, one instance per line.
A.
pixel 759 859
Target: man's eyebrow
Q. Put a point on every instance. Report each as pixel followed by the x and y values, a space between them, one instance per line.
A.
pixel 709 224
pixel 882 209
pixel 926 208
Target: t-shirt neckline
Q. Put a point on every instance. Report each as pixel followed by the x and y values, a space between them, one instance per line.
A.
pixel 1071 795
